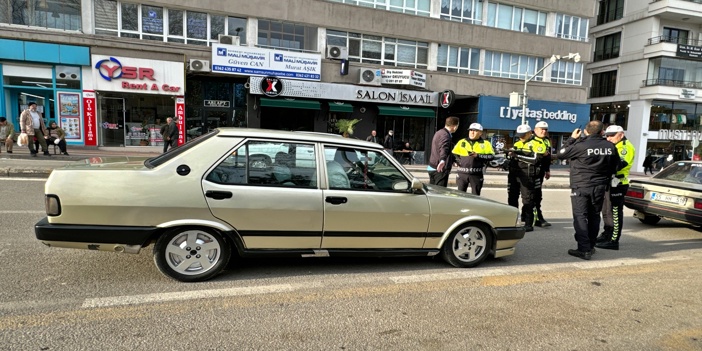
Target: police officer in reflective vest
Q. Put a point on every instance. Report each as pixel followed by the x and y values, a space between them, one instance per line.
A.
pixel 542 146
pixel 593 162
pixel 612 210
pixel 524 167
pixel 472 154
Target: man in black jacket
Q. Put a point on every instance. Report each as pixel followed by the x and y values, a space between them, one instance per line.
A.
pixel 170 139
pixel 441 159
pixel 593 162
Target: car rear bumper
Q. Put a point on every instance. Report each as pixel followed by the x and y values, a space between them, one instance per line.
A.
pixel 93 237
pixel 663 210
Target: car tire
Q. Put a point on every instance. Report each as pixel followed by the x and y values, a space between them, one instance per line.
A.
pixel 191 254
pixel 650 219
pixel 468 245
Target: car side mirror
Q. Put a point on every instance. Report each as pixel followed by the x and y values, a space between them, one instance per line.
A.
pixel 417 184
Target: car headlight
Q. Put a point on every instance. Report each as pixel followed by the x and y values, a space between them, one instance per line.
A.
pixel 53 205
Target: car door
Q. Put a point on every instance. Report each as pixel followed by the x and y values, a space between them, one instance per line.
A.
pixel 272 200
pixel 368 204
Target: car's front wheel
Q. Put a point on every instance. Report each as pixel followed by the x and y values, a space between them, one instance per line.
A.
pixel 650 219
pixel 191 254
pixel 468 245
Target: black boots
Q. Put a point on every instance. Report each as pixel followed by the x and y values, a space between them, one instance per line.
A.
pixel 579 254
pixel 608 245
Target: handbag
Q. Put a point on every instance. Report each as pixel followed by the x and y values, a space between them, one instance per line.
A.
pixel 23 139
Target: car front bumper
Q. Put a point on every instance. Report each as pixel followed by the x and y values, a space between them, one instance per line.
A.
pixel 94 237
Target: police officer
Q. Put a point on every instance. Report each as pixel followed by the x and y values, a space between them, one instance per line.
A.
pixel 524 167
pixel 542 146
pixel 471 156
pixel 613 207
pixel 593 161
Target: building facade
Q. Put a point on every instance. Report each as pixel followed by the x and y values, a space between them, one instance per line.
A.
pixel 646 75
pixel 111 71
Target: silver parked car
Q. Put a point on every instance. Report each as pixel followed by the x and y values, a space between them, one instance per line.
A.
pixel 253 192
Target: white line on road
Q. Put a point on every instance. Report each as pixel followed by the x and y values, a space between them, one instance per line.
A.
pixel 24 179
pixel 21 212
pixel 190 295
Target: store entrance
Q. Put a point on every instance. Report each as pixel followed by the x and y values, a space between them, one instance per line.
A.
pixel 111 121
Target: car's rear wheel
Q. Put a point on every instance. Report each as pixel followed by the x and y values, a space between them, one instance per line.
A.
pixel 191 254
pixel 468 245
pixel 650 219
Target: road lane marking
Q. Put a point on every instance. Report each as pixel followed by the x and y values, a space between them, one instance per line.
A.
pixel 191 295
pixel 24 179
pixel 22 212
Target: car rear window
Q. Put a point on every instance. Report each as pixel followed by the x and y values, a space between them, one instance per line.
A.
pixel 172 153
pixel 682 172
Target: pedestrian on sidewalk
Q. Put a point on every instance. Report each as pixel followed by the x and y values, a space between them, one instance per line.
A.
pixel 648 164
pixel 32 123
pixel 170 138
pixel 373 138
pixel 441 158
pixel 593 162
pixel 472 155
pixel 389 141
pixel 7 134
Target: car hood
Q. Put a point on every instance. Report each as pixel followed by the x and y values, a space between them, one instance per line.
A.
pixel 435 190
pixel 112 163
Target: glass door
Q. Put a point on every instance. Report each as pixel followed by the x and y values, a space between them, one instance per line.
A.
pixel 216 118
pixel 111 121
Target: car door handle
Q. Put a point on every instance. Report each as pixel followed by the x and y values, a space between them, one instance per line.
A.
pixel 336 200
pixel 218 195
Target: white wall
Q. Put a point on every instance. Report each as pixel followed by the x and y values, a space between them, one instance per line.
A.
pixel 637 130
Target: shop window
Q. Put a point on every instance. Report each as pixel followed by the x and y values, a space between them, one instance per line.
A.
pixel 566 72
pixel 611 113
pixel 381 50
pixel 571 27
pixel 607 47
pixel 458 60
pixel 467 11
pixel 64 15
pixel 610 10
pixel 498 64
pixel 516 18
pixel 675 115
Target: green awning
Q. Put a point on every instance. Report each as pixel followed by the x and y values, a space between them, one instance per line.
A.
pixel 303 104
pixel 340 107
pixel 405 111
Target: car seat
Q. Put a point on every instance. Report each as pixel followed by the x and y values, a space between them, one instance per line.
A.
pixel 337 176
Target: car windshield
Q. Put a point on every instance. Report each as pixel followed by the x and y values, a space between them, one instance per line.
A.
pixel 160 159
pixel 682 172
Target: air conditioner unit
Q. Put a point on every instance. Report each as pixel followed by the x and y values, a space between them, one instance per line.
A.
pixel 199 65
pixel 369 76
pixel 228 39
pixel 337 52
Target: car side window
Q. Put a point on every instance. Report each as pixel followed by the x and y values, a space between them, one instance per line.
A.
pixel 359 169
pixel 268 163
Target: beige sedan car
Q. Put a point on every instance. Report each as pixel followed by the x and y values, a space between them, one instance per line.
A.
pixel 254 192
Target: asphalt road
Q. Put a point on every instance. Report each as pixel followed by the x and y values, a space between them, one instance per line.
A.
pixel 644 297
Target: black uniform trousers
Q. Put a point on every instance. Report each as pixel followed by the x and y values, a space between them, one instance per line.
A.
pixel 587 204
pixel 474 180
pixel 440 178
pixel 613 211
pixel 538 195
pixel 518 181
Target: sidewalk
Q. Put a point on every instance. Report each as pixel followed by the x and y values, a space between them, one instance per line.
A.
pixel 21 164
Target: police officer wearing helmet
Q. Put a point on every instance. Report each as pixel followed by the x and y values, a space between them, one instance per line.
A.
pixel 471 155
pixel 543 147
pixel 593 162
pixel 612 210
pixel 524 167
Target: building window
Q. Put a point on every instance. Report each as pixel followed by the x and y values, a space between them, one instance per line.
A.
pixel 674 35
pixel 381 50
pixel 147 22
pixel 674 72
pixel 607 47
pixel 571 27
pixel 674 115
pixel 567 72
pixel 603 84
pixel 516 18
pixel 611 113
pixel 498 64
pixel 287 35
pixel 413 7
pixel 456 59
pixel 64 15
pixel 610 10
pixel 467 11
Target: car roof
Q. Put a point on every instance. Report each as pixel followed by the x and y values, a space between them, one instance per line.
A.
pixel 300 136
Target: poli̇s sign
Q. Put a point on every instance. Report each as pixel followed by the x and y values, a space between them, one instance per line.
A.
pixel 266 62
pixel 495 113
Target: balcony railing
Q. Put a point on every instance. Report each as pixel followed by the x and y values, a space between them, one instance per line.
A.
pixel 673 83
pixel 674 40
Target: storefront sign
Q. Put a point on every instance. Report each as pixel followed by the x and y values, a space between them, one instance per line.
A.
pixel 69 114
pixel 677 134
pixel 349 92
pixel 403 77
pixel 266 62
pixel 495 113
pixel 216 103
pixel 446 98
pixel 89 118
pixel 180 115
pixel 687 93
pixel 690 51
pixel 125 74
pixel 271 86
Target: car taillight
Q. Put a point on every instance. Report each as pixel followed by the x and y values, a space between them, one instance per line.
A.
pixel 698 204
pixel 637 193
pixel 53 207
